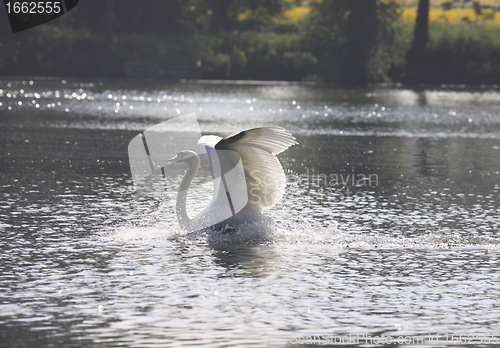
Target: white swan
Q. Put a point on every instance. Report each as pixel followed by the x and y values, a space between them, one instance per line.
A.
pixel 248 177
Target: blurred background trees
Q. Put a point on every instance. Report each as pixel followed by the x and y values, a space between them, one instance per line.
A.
pixel 341 41
pixel 352 40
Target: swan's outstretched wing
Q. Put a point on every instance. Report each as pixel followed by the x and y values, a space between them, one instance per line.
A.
pixel 258 148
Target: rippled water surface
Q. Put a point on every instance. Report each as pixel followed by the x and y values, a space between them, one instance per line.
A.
pixel 389 228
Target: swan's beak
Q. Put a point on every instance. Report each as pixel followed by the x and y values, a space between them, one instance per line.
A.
pixel 176 158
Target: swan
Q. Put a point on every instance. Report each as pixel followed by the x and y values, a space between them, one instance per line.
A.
pixel 248 177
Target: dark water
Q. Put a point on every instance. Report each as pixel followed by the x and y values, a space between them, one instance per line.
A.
pixel 389 226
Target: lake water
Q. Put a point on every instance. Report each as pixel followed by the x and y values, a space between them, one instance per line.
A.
pixel 388 233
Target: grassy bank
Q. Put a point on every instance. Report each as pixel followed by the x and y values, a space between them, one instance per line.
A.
pixel 253 55
pixel 456 53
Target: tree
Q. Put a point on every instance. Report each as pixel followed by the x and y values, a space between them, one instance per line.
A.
pixel 421 33
pixel 415 58
pixel 361 33
pixel 351 39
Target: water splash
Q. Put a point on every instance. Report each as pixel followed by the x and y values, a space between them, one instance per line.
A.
pixel 297 233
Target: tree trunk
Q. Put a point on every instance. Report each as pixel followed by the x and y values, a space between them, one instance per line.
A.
pixel 362 32
pixel 421 35
pixel 416 62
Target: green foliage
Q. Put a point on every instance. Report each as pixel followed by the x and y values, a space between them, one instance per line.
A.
pixel 179 51
pixel 253 55
pixel 50 51
pixel 352 40
pixel 215 16
pixel 461 53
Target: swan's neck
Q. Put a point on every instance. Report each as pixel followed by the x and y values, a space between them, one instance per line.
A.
pixel 180 207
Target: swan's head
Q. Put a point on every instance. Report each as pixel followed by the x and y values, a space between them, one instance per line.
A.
pixel 185 156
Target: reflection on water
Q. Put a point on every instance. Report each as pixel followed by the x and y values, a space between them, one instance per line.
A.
pixel 307 110
pixel 389 225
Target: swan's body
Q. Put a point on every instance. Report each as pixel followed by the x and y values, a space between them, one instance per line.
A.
pixel 248 177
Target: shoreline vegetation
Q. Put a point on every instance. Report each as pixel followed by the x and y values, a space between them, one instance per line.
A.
pixel 278 40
